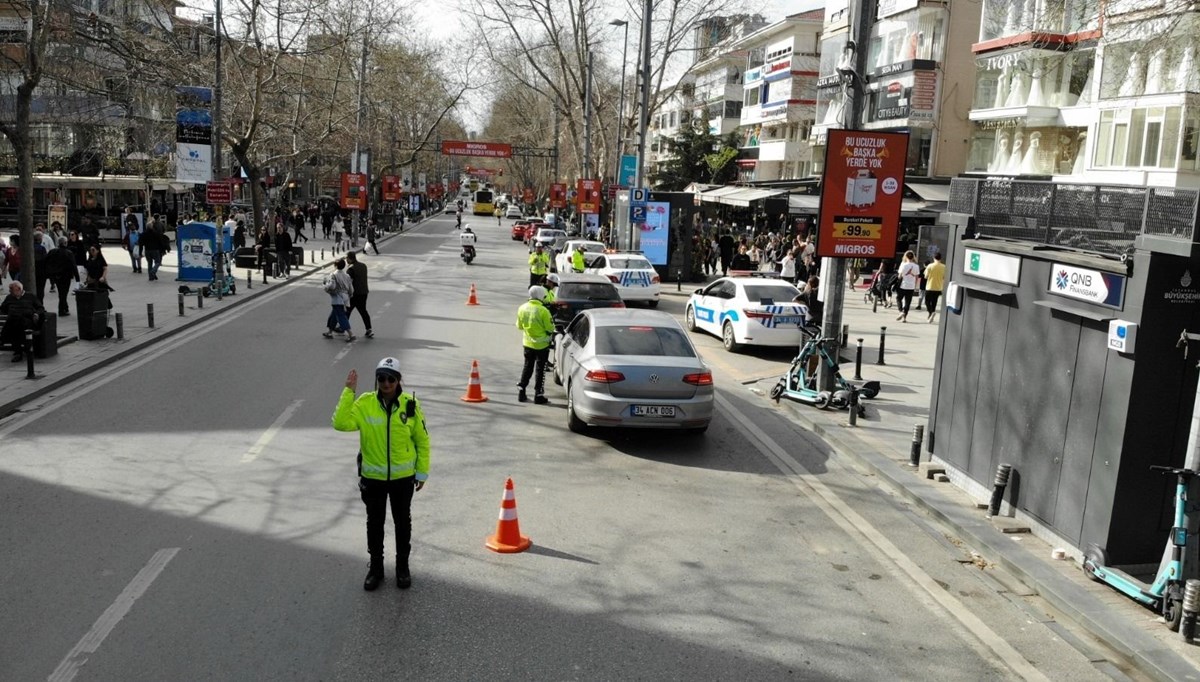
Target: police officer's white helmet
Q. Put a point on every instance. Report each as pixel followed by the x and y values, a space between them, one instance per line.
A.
pixel 388 366
pixel 537 293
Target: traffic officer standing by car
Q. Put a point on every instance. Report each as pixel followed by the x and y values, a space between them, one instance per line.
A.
pixel 393 460
pixel 577 259
pixel 539 265
pixel 537 329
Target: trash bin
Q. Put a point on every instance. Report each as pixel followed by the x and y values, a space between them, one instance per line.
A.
pixel 91 308
pixel 45 339
pixel 297 256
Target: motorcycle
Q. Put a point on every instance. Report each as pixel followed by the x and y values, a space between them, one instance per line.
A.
pixel 468 253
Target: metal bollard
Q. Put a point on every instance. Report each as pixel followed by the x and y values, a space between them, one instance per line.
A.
pixel 322 254
pixel 845 336
pixel 882 342
pixel 29 373
pixel 874 303
pixel 264 272
pixel 313 260
pixel 120 326
pixel 150 315
pixel 854 406
pixel 199 300
pixel 1191 605
pixel 181 305
pixel 914 452
pixel 249 279
pixel 1002 473
pixel 858 361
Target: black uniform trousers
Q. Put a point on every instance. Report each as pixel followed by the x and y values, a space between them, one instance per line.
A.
pixel 375 495
pixel 535 357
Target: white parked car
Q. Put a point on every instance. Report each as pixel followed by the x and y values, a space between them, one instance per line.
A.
pixel 635 277
pixel 550 238
pixel 756 311
pixel 562 262
pixel 513 211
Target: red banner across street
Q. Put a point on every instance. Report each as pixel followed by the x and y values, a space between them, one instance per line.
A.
pixel 489 150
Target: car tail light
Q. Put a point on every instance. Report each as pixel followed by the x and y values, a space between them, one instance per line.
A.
pixel 614 279
pixel 757 314
pixel 618 304
pixel 698 379
pixel 603 376
pixel 655 279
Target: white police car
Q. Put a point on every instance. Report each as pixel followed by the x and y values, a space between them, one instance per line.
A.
pixel 634 276
pixel 755 311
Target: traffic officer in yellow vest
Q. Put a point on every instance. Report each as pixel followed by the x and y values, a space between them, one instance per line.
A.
pixel 577 261
pixel 537 328
pixel 539 265
pixel 393 460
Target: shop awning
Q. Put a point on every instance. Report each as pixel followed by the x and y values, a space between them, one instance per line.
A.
pixel 739 196
pixel 809 204
pixel 804 204
pixel 931 192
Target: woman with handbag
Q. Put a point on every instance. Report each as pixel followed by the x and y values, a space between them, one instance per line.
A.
pixel 340 288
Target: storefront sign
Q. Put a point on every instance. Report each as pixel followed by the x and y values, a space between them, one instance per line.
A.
pixel 907 65
pixel 218 193
pixel 1093 286
pixel 391 187
pixel 354 191
pixel 909 96
pixel 994 266
pixel 588 196
pixel 1185 292
pixel 826 82
pixel 489 150
pixel 778 66
pixel 558 195
pixel 752 75
pixel 889 7
pixel 860 198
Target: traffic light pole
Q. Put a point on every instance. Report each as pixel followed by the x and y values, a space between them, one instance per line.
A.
pixel 851 69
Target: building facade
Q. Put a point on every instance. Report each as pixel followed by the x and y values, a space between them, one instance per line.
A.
pixel 913 82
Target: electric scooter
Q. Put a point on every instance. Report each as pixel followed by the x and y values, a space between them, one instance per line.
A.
pixel 800 384
pixel 1165 595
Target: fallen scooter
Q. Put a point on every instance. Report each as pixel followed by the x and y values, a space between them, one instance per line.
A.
pixel 1165 594
pixel 799 383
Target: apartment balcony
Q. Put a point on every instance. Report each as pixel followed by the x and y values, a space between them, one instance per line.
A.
pixel 784 150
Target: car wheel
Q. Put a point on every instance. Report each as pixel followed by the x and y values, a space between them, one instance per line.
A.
pixel 575 424
pixel 728 339
pixel 689 317
pixel 652 304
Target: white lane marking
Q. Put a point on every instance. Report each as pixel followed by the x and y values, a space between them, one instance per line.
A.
pixel 272 430
pixel 343 353
pixel 78 655
pixel 386 306
pixel 853 523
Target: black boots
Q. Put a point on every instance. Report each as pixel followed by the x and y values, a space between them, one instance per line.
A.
pixel 374 575
pixel 403 579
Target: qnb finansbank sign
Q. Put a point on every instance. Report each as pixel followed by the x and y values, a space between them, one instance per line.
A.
pixel 1102 288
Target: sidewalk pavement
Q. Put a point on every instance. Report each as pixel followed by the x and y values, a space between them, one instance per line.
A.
pixel 880 443
pixel 132 292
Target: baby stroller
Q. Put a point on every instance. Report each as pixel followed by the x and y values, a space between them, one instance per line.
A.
pixel 881 288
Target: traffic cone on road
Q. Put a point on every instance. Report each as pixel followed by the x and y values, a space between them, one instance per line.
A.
pixel 508 538
pixel 474 392
pixel 471 300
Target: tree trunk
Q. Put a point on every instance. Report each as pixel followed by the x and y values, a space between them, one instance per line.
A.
pixel 23 149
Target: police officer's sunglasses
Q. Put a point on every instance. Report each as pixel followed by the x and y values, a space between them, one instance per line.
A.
pixel 386 378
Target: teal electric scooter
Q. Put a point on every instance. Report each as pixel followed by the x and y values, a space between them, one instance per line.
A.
pixel 1165 595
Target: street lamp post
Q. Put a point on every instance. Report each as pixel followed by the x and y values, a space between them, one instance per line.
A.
pixel 356 165
pixel 621 106
pixel 644 111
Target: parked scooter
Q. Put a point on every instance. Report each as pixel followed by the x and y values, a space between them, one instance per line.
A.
pixel 1165 594
pixel 800 381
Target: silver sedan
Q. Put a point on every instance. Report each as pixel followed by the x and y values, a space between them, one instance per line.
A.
pixel 632 368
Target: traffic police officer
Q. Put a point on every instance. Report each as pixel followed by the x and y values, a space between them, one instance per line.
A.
pixel 393 460
pixel 537 327
pixel 539 265
pixel 577 262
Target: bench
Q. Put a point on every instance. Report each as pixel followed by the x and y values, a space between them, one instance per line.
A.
pixel 48 329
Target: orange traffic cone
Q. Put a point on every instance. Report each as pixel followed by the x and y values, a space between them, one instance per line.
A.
pixel 471 300
pixel 474 392
pixel 508 538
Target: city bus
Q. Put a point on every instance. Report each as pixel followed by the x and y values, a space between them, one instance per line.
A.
pixel 484 201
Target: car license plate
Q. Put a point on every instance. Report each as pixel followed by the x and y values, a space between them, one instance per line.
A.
pixel 654 410
pixel 787 319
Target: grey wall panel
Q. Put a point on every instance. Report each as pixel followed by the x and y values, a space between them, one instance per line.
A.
pixel 988 404
pixel 1083 419
pixel 966 386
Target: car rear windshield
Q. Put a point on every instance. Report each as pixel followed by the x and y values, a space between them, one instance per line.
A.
pixel 642 340
pixel 776 292
pixel 587 291
pixel 630 263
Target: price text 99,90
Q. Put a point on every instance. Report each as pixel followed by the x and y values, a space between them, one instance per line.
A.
pixel 856 230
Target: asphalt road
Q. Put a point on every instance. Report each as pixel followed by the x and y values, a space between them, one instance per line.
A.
pixel 191 514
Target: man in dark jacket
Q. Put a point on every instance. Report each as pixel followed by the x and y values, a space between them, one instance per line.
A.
pixel 358 277
pixel 24 311
pixel 61 269
pixel 283 250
